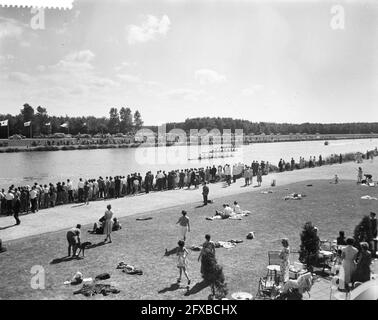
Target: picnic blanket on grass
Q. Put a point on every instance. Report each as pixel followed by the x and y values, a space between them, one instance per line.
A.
pixel 236 216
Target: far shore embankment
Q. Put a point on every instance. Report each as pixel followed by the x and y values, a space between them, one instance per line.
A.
pixel 71 143
pixel 66 216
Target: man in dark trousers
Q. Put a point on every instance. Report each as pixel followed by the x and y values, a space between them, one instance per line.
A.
pixel 205 193
pixel 373 221
pixel 16 209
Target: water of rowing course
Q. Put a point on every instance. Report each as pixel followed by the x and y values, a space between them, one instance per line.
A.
pixel 25 168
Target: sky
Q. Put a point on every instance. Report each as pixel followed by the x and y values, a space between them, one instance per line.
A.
pixel 275 61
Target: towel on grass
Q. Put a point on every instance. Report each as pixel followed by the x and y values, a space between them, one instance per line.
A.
pixel 369 198
pixel 143 219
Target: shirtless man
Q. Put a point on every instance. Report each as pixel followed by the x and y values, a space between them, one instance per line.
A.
pixel 184 225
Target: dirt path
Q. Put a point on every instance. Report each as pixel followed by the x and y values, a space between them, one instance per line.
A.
pixel 63 217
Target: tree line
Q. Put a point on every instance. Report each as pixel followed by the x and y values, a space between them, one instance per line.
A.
pixel 119 121
pixel 124 121
pixel 249 127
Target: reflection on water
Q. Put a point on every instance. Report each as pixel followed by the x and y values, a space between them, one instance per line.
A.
pixel 43 167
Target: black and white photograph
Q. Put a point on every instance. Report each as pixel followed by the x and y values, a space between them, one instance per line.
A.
pixel 172 152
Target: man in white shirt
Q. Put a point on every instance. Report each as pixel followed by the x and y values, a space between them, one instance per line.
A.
pixel 70 191
pixel 33 198
pixel 9 198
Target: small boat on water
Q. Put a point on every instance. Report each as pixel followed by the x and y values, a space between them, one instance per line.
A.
pixel 326 143
pixel 212 156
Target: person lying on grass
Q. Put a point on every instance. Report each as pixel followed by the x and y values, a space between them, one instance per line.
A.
pixel 294 196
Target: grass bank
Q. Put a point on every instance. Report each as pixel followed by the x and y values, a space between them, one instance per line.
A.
pixel 141 243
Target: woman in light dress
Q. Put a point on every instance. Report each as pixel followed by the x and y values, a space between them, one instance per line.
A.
pixel 348 255
pixel 285 263
pixel 182 253
pixel 108 223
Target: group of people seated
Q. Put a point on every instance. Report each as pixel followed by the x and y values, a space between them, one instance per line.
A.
pixel 234 212
pixel 98 227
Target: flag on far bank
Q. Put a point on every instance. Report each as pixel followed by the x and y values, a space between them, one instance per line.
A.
pixel 27 124
pixel 64 125
pixel 3 123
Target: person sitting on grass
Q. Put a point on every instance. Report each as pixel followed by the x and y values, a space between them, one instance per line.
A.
pixel 226 213
pixel 116 225
pixel 73 238
pixel 98 227
pixel 237 210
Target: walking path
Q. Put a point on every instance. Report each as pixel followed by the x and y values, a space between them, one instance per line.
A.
pixel 67 216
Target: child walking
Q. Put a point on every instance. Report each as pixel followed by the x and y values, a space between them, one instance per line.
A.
pixel 182 253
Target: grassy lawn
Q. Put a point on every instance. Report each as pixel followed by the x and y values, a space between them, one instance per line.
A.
pixel 142 243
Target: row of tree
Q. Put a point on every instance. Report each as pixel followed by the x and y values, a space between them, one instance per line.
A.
pixel 275 128
pixel 122 121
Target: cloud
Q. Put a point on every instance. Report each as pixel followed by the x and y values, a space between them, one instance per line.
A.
pixel 129 78
pixel 20 77
pixel 207 76
pixel 184 94
pixel 124 65
pixel 84 56
pixel 104 82
pixel 252 90
pixel 10 28
pixel 6 59
pixel 150 29
pixel 74 70
pixel 79 61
